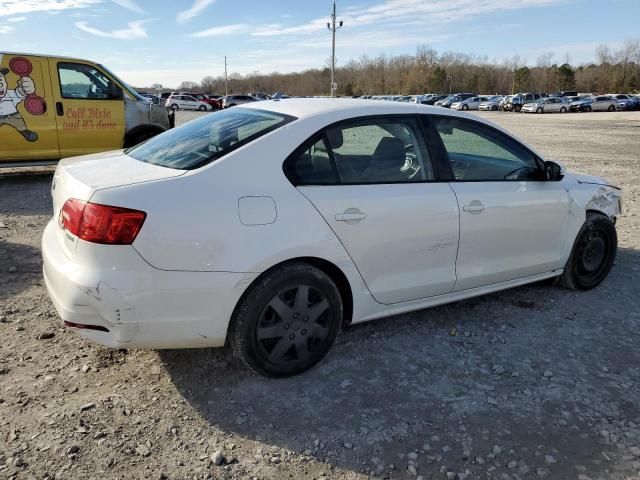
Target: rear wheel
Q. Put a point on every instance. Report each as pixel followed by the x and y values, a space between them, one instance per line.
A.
pixel 517 108
pixel 563 110
pixel 287 321
pixel 494 108
pixel 587 108
pixel 593 254
pixel 539 110
pixel 611 108
pixel 465 107
pixel 202 108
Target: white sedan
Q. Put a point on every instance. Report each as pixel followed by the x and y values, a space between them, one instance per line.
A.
pixel 274 224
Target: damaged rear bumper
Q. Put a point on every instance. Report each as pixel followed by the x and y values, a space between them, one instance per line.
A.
pixel 138 306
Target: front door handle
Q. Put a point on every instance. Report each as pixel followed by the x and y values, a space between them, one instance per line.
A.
pixel 60 109
pixel 474 208
pixel 351 215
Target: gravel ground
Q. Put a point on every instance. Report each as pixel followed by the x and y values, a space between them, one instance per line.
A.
pixel 535 382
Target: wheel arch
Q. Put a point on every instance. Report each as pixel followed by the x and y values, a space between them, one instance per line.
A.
pixel 136 131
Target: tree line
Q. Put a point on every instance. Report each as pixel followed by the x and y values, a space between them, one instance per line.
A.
pixel 446 72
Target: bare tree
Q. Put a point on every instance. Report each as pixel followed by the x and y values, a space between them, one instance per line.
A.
pixel 544 61
pixel 603 55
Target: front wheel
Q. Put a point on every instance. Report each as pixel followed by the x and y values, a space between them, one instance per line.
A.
pixel 287 321
pixel 465 107
pixel 611 108
pixel 202 108
pixel 587 108
pixel 494 109
pixel 563 110
pixel 517 108
pixel 539 110
pixel 593 254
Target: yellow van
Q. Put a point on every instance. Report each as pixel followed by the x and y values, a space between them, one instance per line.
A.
pixel 56 107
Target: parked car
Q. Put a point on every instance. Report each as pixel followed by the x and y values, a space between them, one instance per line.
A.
pixel 580 103
pixel 201 97
pixel 471 103
pixel 517 101
pixel 233 100
pixel 186 102
pixel 435 99
pixel 319 213
pixel 603 103
pixel 456 97
pixel 546 105
pixel 260 96
pixel 492 104
pixel 625 102
pixel 563 94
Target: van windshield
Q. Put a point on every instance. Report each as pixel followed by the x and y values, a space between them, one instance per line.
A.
pixel 206 139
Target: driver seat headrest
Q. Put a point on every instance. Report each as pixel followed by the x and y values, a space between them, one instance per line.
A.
pixel 334 135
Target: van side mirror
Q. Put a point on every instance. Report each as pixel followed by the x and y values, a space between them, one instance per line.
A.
pixel 553 171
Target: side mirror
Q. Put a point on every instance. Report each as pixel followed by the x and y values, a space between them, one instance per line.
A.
pixel 553 171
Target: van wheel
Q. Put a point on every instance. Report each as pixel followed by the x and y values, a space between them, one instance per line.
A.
pixel 139 138
pixel 175 106
pixel 202 108
pixel 593 254
pixel 287 321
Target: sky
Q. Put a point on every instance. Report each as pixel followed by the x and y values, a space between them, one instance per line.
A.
pixel 165 42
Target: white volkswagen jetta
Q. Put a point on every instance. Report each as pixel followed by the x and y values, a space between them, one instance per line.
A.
pixel 273 225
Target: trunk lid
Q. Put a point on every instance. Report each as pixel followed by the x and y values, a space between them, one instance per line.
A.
pixel 81 177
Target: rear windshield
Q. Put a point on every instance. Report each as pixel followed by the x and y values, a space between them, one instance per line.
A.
pixel 206 139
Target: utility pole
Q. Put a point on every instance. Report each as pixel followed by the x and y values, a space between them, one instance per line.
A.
pixel 332 26
pixel 226 88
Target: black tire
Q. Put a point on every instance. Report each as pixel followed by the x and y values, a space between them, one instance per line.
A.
pixel 465 107
pixel 494 109
pixel 517 108
pixel 275 308
pixel 202 108
pixel 539 110
pixel 139 138
pixel 175 106
pixel 611 108
pixel 593 254
pixel 587 108
pixel 563 110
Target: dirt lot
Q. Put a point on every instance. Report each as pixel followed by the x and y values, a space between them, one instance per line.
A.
pixel 536 382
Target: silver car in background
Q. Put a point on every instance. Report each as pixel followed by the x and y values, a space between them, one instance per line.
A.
pixel 603 103
pixel 233 100
pixel 492 104
pixel 469 104
pixel 546 105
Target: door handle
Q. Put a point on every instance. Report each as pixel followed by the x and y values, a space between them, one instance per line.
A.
pixel 351 215
pixel 474 208
pixel 60 109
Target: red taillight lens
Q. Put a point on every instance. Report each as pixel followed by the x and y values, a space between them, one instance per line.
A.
pixel 98 223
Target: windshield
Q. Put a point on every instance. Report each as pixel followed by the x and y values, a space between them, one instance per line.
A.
pixel 126 86
pixel 202 141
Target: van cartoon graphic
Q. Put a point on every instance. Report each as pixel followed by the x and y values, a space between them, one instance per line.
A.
pixel 10 99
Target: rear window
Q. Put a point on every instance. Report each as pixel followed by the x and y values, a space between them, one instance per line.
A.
pixel 206 139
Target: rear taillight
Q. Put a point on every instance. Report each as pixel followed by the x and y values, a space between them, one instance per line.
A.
pixel 98 223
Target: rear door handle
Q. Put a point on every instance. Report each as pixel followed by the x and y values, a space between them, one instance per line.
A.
pixel 59 109
pixel 474 208
pixel 351 215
